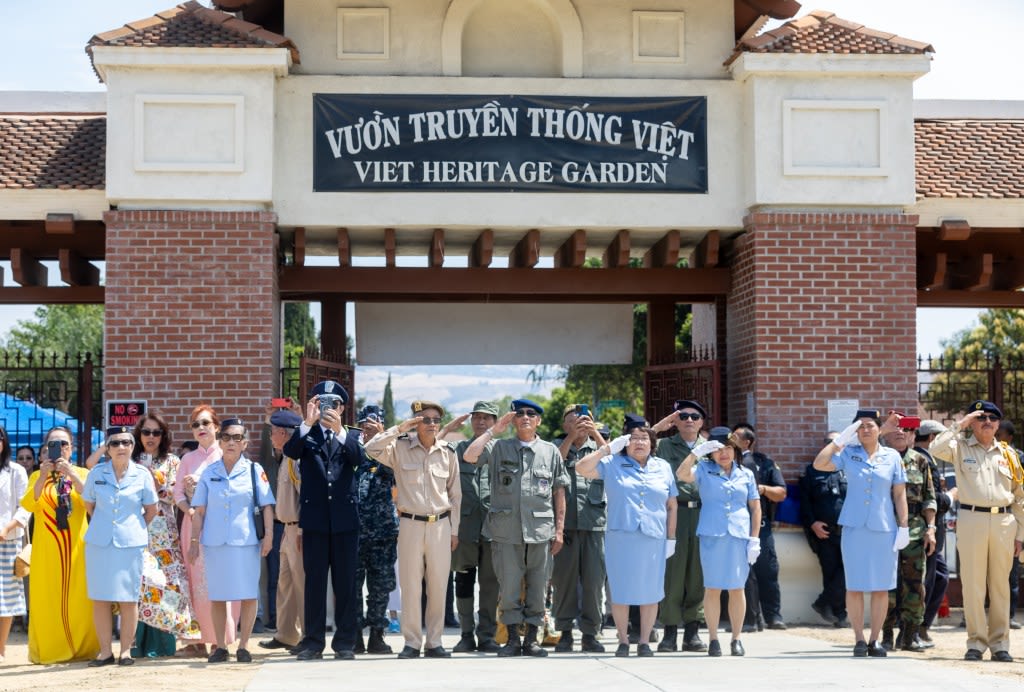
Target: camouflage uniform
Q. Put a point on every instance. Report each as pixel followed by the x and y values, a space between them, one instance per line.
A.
pixel 378 546
pixel 907 600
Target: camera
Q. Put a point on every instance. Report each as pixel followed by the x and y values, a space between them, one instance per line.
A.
pixel 329 403
pixel 582 410
pixel 277 402
pixel 53 449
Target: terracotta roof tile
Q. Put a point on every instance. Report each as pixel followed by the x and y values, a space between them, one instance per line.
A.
pixel 190 25
pixel 66 152
pixel 823 32
pixel 969 158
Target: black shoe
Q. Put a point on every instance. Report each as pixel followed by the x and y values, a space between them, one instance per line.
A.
pixel 972 655
pixel 243 656
pixel 861 649
pixel 1002 656
pixel 488 646
pixel 274 644
pixel 466 644
pixel 376 644
pixel 409 652
pixel 714 648
pixel 842 623
pixel 825 611
pixel 514 646
pixel 736 648
pixel 747 629
pixel 219 655
pixel 776 625
pixel 345 655
pixel 887 639
pixel 257 626
pixel 100 662
pixel 360 647
pixel 1014 625
pixel 530 645
pixel 309 655
pixel 590 645
pixel 691 640
pixel 126 660
pixel 644 651
pixel 436 652
pixel 564 644
pixel 622 651
pixel 908 639
pixel 608 621
pixel 876 650
pixel 668 639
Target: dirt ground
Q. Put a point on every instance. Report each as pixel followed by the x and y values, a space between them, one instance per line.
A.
pixel 152 675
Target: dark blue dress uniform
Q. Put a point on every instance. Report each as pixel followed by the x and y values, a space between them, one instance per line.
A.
pixel 764 598
pixel 378 544
pixel 821 499
pixel 329 520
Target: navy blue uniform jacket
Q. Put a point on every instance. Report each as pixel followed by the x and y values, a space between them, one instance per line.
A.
pixel 328 493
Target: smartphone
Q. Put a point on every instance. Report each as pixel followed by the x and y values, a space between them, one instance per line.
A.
pixel 582 410
pixel 53 450
pixel 910 422
pixel 278 402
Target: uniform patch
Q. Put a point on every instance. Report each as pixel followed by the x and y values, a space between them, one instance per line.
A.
pixel 263 475
pixel 544 483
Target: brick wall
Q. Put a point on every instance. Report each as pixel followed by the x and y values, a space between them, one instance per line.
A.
pixel 191 313
pixel 822 306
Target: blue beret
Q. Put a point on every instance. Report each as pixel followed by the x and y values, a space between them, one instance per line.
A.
pixel 284 418
pixel 633 422
pixel 986 406
pixel 720 433
pixel 228 422
pixel 526 403
pixel 680 404
pixel 331 388
pixel 118 430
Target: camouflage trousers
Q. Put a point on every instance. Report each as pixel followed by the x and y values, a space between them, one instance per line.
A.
pixel 907 600
pixel 377 569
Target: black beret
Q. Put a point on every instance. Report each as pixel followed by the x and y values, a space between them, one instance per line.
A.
pixel 228 422
pixel 117 430
pixel 633 422
pixel 872 413
pixel 720 433
pixel 689 403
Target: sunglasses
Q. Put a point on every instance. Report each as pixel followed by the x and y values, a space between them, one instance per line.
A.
pixel 225 437
pixel 527 413
pixel 146 432
pixel 119 443
pixel 990 418
pixel 690 416
pixel 426 420
pixel 201 424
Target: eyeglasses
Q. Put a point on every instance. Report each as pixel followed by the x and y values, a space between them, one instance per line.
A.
pixel 201 423
pixel 990 418
pixel 640 439
pixel 224 437
pixel 426 420
pixel 527 413
pixel 690 416
pixel 119 443
pixel 146 432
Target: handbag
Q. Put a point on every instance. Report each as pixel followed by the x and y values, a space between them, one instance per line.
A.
pixel 257 511
pixel 23 561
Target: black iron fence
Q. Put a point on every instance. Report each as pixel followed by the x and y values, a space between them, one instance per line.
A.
pixel 946 385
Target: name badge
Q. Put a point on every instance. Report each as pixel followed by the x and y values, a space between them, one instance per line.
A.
pixel 101 482
pixel 215 479
pixel 969 461
pixel 856 457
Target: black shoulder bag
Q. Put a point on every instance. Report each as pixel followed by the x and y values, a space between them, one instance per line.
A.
pixel 257 511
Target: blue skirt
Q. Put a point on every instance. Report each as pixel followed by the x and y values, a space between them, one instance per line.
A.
pixel 113 574
pixel 723 560
pixel 869 561
pixel 635 564
pixel 232 572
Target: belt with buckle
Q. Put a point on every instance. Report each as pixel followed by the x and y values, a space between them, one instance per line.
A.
pixel 289 523
pixel 988 510
pixel 429 518
pixel 692 504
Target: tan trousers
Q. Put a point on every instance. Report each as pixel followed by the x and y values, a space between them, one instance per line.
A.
pixel 424 550
pixel 291 585
pixel 985 546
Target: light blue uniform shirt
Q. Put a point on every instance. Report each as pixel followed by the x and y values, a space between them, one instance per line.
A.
pixel 869 487
pixel 724 510
pixel 637 494
pixel 118 515
pixel 228 502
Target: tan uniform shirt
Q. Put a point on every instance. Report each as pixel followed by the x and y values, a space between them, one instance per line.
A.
pixel 427 479
pixel 287 509
pixel 983 475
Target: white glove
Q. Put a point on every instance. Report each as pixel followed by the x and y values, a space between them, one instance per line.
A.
pixel 848 435
pixel 618 444
pixel 670 547
pixel 705 448
pixel 902 539
pixel 753 550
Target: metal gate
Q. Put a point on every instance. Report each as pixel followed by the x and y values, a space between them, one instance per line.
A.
pixel 945 386
pixel 698 379
pixel 300 375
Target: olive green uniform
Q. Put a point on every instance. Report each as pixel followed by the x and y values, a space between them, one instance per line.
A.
pixel 907 600
pixel 684 579
pixel 521 522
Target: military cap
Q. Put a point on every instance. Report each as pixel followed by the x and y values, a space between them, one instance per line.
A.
pixel 118 430
pixel 931 427
pixel 986 406
pixel 632 422
pixel 720 433
pixel 680 404
pixel 284 418
pixel 488 407
pixel 872 413
pixel 370 412
pixel 605 431
pixel 526 403
pixel 330 388
pixel 421 405
pixel 228 422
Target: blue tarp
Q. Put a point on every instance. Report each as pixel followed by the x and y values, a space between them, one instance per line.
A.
pixel 26 422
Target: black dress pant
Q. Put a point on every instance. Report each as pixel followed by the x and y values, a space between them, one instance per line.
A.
pixel 337 553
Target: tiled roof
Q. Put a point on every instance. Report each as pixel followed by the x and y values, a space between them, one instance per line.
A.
pixel 969 158
pixel 190 25
pixel 824 32
pixel 66 152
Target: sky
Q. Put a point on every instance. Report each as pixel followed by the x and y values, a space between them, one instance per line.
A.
pixel 976 48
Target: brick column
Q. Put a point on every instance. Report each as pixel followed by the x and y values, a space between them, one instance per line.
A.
pixel 192 314
pixel 822 307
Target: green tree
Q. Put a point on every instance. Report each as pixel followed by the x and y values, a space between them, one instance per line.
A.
pixel 59 329
pixel 388 404
pixel 299 328
pixel 967 358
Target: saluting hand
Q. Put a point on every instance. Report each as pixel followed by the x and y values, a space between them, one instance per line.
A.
pixel 409 423
pixel 666 423
pixel 848 435
pixel 502 423
pixel 454 424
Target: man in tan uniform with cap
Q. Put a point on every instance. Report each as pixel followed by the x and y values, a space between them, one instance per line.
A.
pixel 990 525
pixel 429 496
